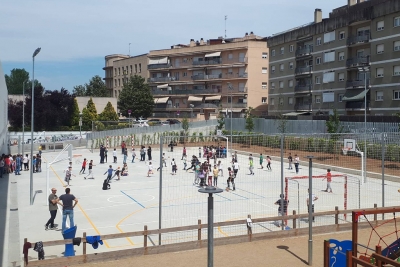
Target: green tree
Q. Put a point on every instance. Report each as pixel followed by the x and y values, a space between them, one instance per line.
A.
pixel 249 120
pixel 89 114
pixel 108 114
pixel 220 119
pixel 95 88
pixel 333 124
pixel 136 96
pixel 15 81
pixel 185 124
pixel 282 123
pixel 79 90
pixel 75 114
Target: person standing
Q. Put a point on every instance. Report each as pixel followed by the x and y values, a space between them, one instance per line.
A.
pixel 68 174
pixel 53 200
pixel 40 150
pixel 296 163
pixel 184 153
pixel 90 175
pixel 117 173
pixel 328 180
pixel 269 163
pixel 220 168
pixel 174 167
pixel 200 150
pixel 123 147
pixel 105 153
pixel 215 173
pixel 102 149
pixel 290 159
pixel 261 161
pixel 142 154
pixel 83 167
pixel 115 155
pixel 18 165
pixel 251 164
pixel 236 168
pixel 184 163
pixel 2 164
pixel 313 199
pixel 69 202
pixel 133 155
pixel 149 153
pixel 125 156
pixel 282 211
pixel 25 161
pixel 149 169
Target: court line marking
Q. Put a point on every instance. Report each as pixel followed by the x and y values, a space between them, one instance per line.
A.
pixel 137 202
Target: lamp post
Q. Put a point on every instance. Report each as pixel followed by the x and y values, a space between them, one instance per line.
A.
pixel 32 124
pixel 23 116
pixel 129 113
pixel 365 70
pixel 191 112
pixel 80 124
pixel 231 89
pixel 210 190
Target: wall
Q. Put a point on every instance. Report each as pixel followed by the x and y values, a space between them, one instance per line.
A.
pixel 3 112
pixel 99 102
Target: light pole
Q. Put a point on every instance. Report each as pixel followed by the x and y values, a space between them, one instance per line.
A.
pixel 32 124
pixel 365 70
pixel 231 89
pixel 210 190
pixel 191 112
pixel 129 113
pixel 23 116
pixel 80 124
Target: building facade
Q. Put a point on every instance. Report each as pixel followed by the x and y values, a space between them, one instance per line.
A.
pixel 119 68
pixel 341 62
pixel 204 78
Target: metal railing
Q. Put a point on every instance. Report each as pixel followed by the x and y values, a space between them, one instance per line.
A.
pixel 358 61
pixel 234 105
pixel 303 88
pixel 304 70
pixel 356 84
pixel 186 92
pixel 358 39
pixel 207 62
pixel 304 52
pixel 161 79
pixel 307 107
pixel 158 66
pixel 356 105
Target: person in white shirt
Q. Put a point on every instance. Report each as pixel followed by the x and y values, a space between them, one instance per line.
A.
pixel 173 164
pixel 150 169
pixel 296 163
pixel 236 168
pixel 313 198
pixel 115 155
pixel 220 168
pixel 25 161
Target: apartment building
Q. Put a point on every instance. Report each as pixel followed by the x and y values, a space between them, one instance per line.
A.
pixel 118 68
pixel 197 79
pixel 340 62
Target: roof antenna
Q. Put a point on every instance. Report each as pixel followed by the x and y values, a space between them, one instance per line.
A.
pixel 226 17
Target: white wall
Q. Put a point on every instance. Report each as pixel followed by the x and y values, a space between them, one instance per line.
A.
pixel 3 112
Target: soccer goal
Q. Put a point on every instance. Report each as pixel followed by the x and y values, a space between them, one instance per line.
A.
pixel 346 192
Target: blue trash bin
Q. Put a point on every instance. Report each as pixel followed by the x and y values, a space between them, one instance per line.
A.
pixel 69 248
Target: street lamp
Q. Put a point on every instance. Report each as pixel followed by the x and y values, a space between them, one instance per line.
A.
pixel 80 124
pixel 231 89
pixel 129 113
pixel 210 190
pixel 32 124
pixel 365 70
pixel 23 116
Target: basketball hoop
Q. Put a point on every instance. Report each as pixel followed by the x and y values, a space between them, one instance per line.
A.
pixel 345 150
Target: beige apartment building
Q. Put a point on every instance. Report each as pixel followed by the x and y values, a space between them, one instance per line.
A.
pixel 197 79
pixel 339 62
pixel 119 68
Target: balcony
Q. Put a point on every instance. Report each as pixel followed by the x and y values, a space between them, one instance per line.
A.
pixel 161 79
pixel 354 39
pixel 206 77
pixel 207 62
pixel 158 66
pixel 357 62
pixel 356 84
pixel 304 70
pixel 304 52
pixel 186 92
pixel 303 107
pixel 234 105
pixel 303 88
pixel 356 105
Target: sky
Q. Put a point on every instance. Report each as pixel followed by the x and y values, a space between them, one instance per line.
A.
pixel 76 35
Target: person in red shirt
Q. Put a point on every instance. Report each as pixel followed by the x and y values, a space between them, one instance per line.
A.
pixel 123 147
pixel 83 167
pixel 328 181
pixel 7 164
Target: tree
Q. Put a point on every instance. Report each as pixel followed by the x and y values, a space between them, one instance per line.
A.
pixel 108 114
pixel 249 120
pixel 75 113
pixel 95 88
pixel 282 123
pixel 220 119
pixel 136 96
pixel 15 81
pixel 185 124
pixel 333 125
pixel 89 114
pixel 79 90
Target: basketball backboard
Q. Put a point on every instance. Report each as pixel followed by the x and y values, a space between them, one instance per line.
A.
pixel 350 144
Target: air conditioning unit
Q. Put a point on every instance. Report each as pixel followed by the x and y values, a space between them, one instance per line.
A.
pixel 380 52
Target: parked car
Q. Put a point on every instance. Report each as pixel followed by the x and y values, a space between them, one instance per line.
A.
pixel 154 120
pixel 173 121
pixel 165 123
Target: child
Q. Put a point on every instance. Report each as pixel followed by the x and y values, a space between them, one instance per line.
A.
pixel 196 173
pixel 230 179
pixel 133 155
pixel 269 163
pixel 115 155
pixel 215 173
pixel 261 161
pixel 290 159
pixel 251 165
pixel 90 170
pixel 125 156
pixel 109 172
pixel 200 152
pixel 150 169
pixel 105 154
pixel 68 174
pixel 173 167
pixel 83 167
pixel 184 163
pixel 164 162
pixel 328 180
pixel 220 168
pixel 117 172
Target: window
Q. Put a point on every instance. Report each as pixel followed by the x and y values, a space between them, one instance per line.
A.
pixel 273 52
pixel 291 48
pixel 264 71
pixel 380 25
pixel 328 97
pixel 263 100
pixel 230 56
pixel 281 85
pixel 341 56
pixel 281 67
pixel 291 65
pixel 379 72
pixel 184 74
pixel 379 96
pixel 290 83
pixel 281 101
pixel 380 48
pixel 329 37
pixel 396 46
pixel 396 22
pixel 340 96
pixel 119 71
pixel 115 82
pixel 272 102
pixel 273 85
pixel 264 85
pixel 272 69
pixel 264 55
pixel 119 82
pixel 329 56
pixel 317 80
pixel 342 35
pixel 115 71
pixel 396 95
pixel 135 68
pixel 318 60
pixel 317 99
pixel 319 41
pixel 140 67
pixel 341 77
pixel 396 71
pixel 131 69
pixel 290 100
pixel 328 77
pixel 282 50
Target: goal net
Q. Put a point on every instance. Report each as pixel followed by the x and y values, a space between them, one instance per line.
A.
pixel 345 193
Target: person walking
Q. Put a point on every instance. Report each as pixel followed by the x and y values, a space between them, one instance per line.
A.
pixel 184 163
pixel 313 199
pixel 125 156
pixel 83 167
pixel 115 155
pixel 261 161
pixel 53 200
pixel 269 163
pixel 328 181
pixel 149 169
pixel 68 174
pixel 231 179
pixel 69 202
pixel 149 157
pixel 296 163
pixel 163 161
pixel 174 167
pixel 183 153
pixel 133 155
pixel 220 168
pixel 236 168
pixel 109 173
pixel 290 159
pixel 251 164
pixel 282 211
pixel 90 175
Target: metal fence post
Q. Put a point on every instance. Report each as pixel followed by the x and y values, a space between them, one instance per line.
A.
pixel 160 190
pixel 383 172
